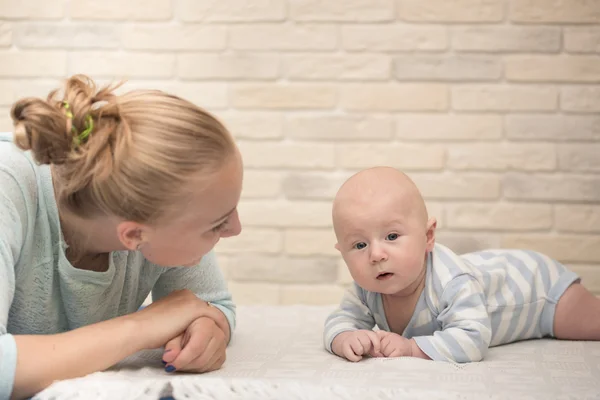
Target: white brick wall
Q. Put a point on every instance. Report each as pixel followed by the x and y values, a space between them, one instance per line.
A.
pixel 490 105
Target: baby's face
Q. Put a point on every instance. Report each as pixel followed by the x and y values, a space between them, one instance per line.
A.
pixel 383 244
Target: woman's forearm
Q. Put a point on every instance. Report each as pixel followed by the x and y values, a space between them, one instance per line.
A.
pixel 42 359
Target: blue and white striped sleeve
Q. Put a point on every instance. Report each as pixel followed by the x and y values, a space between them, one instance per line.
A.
pixel 466 328
pixel 352 314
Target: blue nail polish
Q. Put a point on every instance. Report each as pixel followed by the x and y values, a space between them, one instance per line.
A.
pixel 164 362
pixel 169 368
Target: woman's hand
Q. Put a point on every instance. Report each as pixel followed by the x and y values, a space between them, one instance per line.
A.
pixel 201 348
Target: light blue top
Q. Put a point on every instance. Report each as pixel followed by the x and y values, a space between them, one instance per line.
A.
pixel 42 293
pixel 469 303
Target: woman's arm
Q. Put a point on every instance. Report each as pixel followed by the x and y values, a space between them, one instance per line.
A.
pixel 44 359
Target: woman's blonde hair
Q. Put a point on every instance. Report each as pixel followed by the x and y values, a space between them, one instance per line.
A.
pixel 143 148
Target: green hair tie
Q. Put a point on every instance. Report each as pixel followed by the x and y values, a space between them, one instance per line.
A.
pixel 89 125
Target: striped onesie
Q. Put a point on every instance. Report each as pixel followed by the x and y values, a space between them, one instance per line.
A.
pixel 469 303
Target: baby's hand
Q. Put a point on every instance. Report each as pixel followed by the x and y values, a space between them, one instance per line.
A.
pixel 394 345
pixel 353 345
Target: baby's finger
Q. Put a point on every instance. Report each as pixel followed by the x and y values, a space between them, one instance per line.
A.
pixel 365 341
pixel 395 353
pixel 386 347
pixel 375 341
pixel 351 354
pixel 357 347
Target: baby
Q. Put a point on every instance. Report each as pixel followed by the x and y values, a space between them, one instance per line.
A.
pixel 431 303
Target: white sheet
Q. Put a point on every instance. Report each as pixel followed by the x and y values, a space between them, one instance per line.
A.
pixel 277 353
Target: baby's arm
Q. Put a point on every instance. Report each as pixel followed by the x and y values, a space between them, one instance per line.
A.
pixel 352 315
pixel 466 329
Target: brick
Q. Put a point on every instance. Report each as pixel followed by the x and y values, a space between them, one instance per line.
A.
pixel 429 127
pixel 33 9
pixel 252 240
pixel 554 11
pixel 286 214
pixel 551 187
pixel 12 90
pixel 231 10
pixel 344 277
pixel 338 66
pixel 252 268
pixel 390 38
pixel 579 157
pixel 507 39
pixel 72 36
pixel 284 96
pixel 347 11
pixel 582 40
pixel 310 242
pixel 140 10
pixel 213 95
pixel 312 185
pixel 288 155
pixel 467 242
pixel 577 218
pixel 33 64
pixel 402 156
pixel 6 34
pixel 504 98
pixel 283 37
pixel 339 127
pixel 228 66
pixel 459 186
pixel 206 95
pixel 262 184
pixel 122 65
pixel 553 68
pixel 500 216
pixel 580 99
pixel 447 68
pixel 315 295
pixel 395 97
pixel 253 125
pixel 174 37
pixel 590 276
pixel 552 127
pixel 502 156
pixel 436 210
pixel 564 248
pixel 454 11
pixel 246 294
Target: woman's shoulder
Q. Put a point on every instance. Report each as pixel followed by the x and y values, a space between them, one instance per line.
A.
pixel 14 161
pixel 17 170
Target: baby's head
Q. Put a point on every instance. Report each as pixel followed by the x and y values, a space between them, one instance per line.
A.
pixel 382 229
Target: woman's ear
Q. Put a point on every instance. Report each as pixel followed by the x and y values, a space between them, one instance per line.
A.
pixel 131 235
pixel 431 225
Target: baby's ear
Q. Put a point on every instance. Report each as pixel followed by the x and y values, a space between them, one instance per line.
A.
pixel 431 226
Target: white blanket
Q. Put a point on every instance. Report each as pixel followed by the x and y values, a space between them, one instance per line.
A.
pixel 277 353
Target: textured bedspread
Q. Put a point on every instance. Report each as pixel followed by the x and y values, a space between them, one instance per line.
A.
pixel 277 353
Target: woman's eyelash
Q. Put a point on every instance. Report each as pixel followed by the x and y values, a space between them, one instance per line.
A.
pixel 220 226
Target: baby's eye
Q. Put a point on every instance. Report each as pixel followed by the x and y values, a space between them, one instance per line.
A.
pixel 360 246
pixel 392 236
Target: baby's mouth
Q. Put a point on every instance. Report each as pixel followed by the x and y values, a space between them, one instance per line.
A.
pixel 384 275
